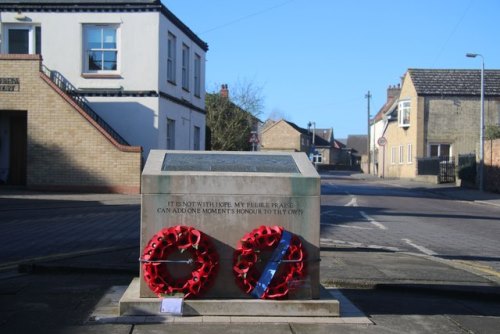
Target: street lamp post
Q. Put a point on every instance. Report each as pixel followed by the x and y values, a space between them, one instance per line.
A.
pixel 481 123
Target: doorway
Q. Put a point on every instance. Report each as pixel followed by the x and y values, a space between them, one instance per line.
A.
pixel 13 147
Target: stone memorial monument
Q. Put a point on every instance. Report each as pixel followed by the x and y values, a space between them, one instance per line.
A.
pixel 227 195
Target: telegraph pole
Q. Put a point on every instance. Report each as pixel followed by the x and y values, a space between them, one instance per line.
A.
pixel 368 96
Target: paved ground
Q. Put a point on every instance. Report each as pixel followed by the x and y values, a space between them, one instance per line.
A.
pixel 85 256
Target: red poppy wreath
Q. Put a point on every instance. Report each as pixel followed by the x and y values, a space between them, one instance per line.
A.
pixel 283 272
pixel 157 268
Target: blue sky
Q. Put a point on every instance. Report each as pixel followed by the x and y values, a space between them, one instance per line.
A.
pixel 316 59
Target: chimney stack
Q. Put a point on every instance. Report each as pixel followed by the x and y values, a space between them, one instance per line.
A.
pixel 393 92
pixel 224 92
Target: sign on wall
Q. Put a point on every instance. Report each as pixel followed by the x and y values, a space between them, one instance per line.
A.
pixel 9 84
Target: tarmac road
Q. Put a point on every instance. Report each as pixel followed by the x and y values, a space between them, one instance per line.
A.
pixel 396 291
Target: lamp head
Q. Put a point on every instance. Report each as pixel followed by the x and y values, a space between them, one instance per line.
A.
pixel 471 55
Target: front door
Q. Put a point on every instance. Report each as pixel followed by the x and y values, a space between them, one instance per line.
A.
pixel 18 148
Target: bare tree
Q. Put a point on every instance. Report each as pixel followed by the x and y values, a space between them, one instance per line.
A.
pixel 232 118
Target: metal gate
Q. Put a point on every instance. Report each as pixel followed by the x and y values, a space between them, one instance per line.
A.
pixel 446 169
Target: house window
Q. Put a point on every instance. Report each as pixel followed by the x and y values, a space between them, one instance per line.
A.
pixel 318 158
pixel 197 138
pixel 171 57
pixel 439 150
pixel 401 154
pixel 404 109
pixel 409 158
pixel 170 134
pixel 197 75
pixel 23 39
pixel 185 67
pixel 393 155
pixel 100 48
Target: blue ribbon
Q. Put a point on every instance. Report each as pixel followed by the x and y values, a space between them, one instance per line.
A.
pixel 272 265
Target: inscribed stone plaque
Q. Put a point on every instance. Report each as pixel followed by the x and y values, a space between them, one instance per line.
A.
pixel 229 163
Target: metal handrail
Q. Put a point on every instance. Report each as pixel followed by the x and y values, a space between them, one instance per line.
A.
pixel 60 81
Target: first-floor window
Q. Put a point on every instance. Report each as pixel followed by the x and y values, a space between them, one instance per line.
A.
pixel 185 67
pixel 401 154
pixel 197 138
pixel 170 134
pixel 197 75
pixel 171 57
pixel 23 39
pixel 409 158
pixel 100 45
pixel 393 155
pixel 404 109
pixel 318 158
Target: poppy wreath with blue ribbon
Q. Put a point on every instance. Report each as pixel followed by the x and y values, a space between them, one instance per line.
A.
pixel 202 257
pixel 283 272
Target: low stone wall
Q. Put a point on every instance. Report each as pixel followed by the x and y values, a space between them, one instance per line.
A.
pixel 492 165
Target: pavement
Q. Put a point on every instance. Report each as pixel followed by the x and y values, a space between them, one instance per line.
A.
pixel 381 291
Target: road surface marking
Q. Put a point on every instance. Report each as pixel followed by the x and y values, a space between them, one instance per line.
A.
pixel 353 202
pixel 347 226
pixel 423 249
pixel 340 243
pixel 373 221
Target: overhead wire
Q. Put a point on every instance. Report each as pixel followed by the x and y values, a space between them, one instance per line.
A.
pixel 246 17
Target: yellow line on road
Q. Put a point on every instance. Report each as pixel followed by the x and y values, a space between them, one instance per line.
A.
pixel 480 267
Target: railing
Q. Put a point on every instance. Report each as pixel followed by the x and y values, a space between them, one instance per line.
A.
pixel 60 81
pixel 443 167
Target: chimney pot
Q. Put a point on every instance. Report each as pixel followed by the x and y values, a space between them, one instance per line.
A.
pixel 224 92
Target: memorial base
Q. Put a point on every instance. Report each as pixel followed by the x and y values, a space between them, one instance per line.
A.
pixel 133 305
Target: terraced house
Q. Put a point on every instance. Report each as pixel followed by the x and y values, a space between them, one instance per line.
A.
pixel 94 86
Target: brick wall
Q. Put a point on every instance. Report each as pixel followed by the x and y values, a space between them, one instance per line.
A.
pixel 281 136
pixel 66 150
pixel 492 165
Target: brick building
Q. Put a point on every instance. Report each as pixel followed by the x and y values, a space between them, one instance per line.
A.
pixel 436 114
pixel 132 66
pixel 52 142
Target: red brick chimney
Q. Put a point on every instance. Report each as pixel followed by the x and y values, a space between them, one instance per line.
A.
pixel 224 92
pixel 393 91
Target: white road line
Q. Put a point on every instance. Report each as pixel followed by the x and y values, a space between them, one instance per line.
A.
pixel 353 202
pixel 423 249
pixel 347 226
pixel 373 221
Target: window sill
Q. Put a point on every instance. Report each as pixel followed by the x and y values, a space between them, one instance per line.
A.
pixel 172 82
pixel 185 89
pixel 101 76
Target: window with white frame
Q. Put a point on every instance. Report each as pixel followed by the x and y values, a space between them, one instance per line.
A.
pixel 409 158
pixel 197 75
pixel 171 57
pixel 439 150
pixel 170 134
pixel 404 110
pixel 401 154
pixel 393 155
pixel 185 67
pixel 100 46
pixel 318 158
pixel 23 39
pixel 197 138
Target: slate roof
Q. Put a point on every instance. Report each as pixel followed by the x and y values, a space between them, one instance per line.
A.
pixel 455 82
pixel 358 143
